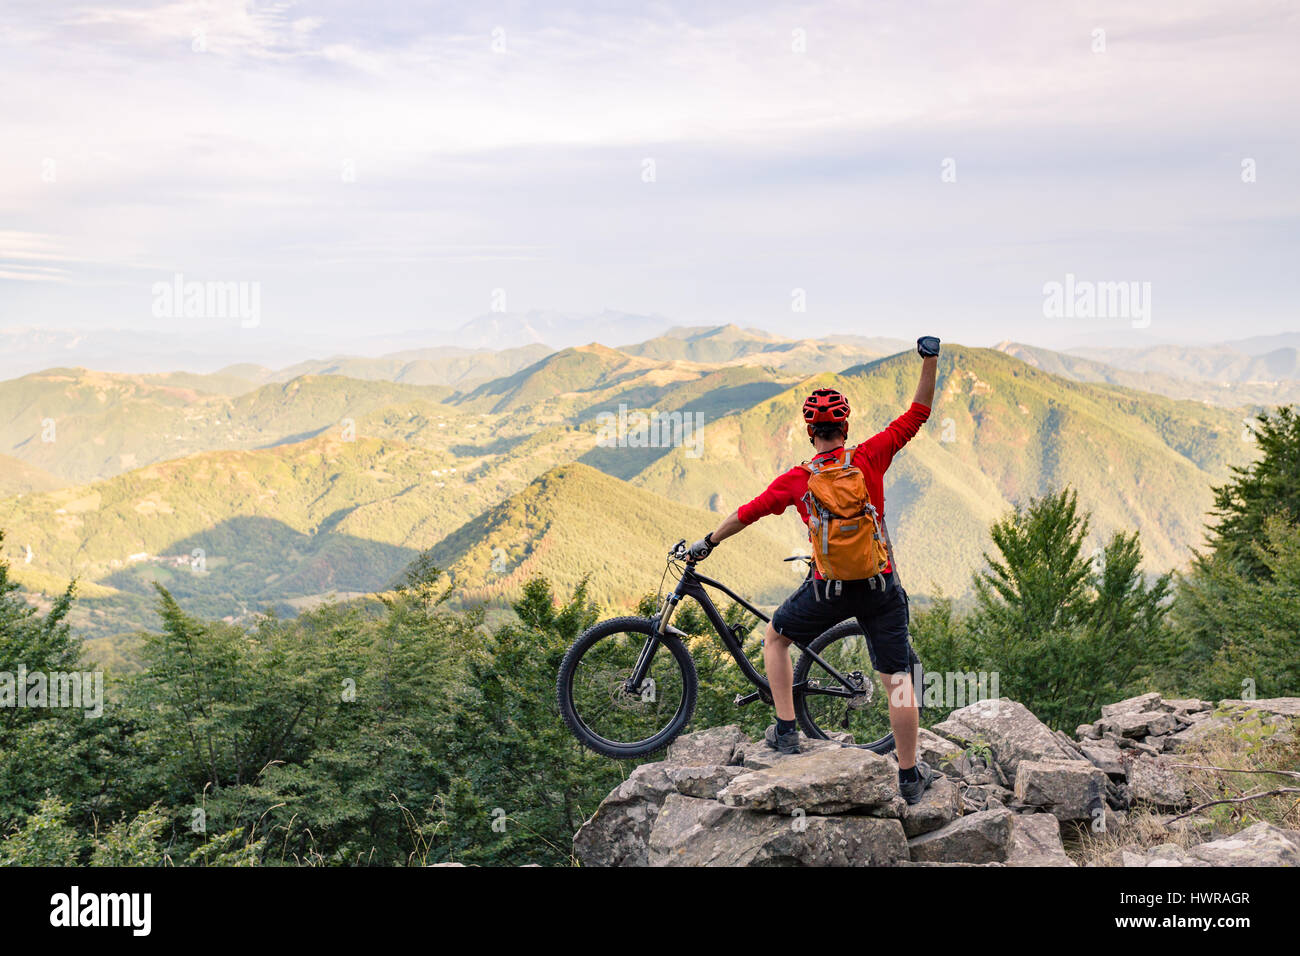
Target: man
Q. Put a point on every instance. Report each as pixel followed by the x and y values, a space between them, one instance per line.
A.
pixel 879 604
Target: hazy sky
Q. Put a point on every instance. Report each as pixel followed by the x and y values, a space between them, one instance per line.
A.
pixel 384 167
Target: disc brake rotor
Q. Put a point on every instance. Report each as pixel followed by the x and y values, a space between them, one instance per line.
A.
pixel 866 690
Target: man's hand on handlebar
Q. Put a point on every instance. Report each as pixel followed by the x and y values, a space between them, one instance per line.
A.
pixel 702 549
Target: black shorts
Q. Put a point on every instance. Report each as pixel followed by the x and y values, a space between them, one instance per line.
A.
pixel 882 614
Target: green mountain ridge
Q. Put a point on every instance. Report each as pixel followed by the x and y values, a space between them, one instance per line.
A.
pixel 1074 365
pixel 730 344
pixel 80 425
pixel 574 523
pixel 449 366
pixel 1000 432
pixel 285 509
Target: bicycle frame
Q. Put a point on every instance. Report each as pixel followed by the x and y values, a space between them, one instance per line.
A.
pixel 692 584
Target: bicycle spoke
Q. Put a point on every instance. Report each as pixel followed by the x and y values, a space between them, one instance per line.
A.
pixel 612 710
pixel 833 707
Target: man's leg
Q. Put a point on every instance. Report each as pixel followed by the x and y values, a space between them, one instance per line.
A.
pixel 780 673
pixel 903 717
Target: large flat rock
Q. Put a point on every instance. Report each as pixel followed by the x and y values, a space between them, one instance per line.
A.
pixel 1281 706
pixel 757 755
pixel 827 780
pixel 1260 845
pixel 694 832
pixel 713 747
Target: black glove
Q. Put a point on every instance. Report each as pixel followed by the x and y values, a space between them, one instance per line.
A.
pixel 703 548
pixel 927 346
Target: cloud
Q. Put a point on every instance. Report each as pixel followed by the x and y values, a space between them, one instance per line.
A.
pixel 233 138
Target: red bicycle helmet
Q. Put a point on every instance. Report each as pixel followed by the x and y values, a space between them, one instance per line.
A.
pixel 825 406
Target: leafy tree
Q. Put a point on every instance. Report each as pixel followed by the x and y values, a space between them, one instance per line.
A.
pixel 1238 635
pixel 944 645
pixel 34 755
pixel 525 771
pixel 46 838
pixel 1233 602
pixel 1269 487
pixel 1063 634
pixel 32 640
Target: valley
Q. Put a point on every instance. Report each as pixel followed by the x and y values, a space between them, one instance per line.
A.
pixel 241 492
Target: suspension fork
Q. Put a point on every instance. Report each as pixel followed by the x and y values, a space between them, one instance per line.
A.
pixel 633 684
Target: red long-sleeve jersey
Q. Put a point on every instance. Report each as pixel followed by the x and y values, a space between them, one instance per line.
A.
pixel 872 456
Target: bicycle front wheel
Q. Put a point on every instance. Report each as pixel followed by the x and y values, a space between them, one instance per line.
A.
pixel 599 702
pixel 826 707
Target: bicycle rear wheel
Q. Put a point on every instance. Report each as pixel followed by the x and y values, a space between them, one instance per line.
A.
pixel 597 702
pixel 825 707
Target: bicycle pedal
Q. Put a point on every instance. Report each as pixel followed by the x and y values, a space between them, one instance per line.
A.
pixel 743 699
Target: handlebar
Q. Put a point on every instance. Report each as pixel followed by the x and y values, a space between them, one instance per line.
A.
pixel 680 553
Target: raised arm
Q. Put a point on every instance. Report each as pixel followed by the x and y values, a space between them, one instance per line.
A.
pixel 880 448
pixel 927 346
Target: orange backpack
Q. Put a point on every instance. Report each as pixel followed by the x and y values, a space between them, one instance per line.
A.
pixel 843 527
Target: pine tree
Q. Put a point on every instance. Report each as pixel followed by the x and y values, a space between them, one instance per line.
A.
pixel 1065 632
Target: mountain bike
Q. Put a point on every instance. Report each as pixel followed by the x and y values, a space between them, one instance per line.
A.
pixel 628 686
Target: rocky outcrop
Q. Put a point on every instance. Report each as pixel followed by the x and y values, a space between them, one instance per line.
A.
pixel 694 832
pixel 831 780
pixel 1036 841
pixel 1070 790
pixel 618 833
pixel 1260 845
pixel 982 837
pixel 1008 730
pixel 1010 792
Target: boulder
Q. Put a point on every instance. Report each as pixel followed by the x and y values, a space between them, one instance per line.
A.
pixel 694 832
pixel 937 751
pixel 1068 746
pixel 618 833
pixel 1008 729
pixel 1156 781
pixel 988 796
pixel 1036 841
pixel 1105 756
pixel 983 837
pixel 707 748
pixel 703 782
pixel 1281 706
pixel 1071 790
pixel 1190 705
pixel 1260 845
pixel 1198 732
pixel 940 804
pixel 823 781
pixel 1137 725
pixel 1134 705
pixel 1169 855
pixel 757 755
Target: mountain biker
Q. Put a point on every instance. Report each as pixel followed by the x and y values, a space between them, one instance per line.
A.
pixel 879 603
